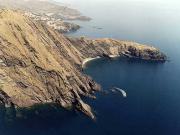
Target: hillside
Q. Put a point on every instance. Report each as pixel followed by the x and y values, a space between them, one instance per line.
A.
pixel 44 7
pixel 38 65
pixel 53 14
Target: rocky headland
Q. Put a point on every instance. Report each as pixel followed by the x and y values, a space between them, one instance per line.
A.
pixel 39 65
pixel 110 48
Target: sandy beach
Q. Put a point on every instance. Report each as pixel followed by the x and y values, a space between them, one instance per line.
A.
pixel 114 56
pixel 85 61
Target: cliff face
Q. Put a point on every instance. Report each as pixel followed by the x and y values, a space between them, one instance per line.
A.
pixel 39 65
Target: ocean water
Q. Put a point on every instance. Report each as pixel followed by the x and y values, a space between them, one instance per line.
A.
pixel 152 105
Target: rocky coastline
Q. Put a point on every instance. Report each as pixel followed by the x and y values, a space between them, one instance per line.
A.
pixel 54 14
pixel 110 48
pixel 56 23
pixel 38 65
pixel 85 61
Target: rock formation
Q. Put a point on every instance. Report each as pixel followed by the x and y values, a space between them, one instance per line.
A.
pixel 111 48
pixel 38 65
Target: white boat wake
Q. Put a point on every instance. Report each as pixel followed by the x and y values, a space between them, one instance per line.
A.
pixel 121 91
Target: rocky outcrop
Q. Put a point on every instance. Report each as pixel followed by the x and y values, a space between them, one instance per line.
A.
pixel 5 99
pixel 85 108
pixel 39 65
pixel 65 27
pixel 111 48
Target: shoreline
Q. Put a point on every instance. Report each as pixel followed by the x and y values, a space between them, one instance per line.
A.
pixel 86 60
pixel 114 56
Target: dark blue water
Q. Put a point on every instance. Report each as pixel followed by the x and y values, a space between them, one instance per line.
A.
pixel 152 106
pixel 153 102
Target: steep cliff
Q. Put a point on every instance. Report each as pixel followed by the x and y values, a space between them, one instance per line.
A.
pixel 39 65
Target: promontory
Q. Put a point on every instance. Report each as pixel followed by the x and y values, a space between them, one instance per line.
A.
pixel 39 65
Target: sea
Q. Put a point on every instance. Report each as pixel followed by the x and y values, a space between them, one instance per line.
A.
pixel 152 105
